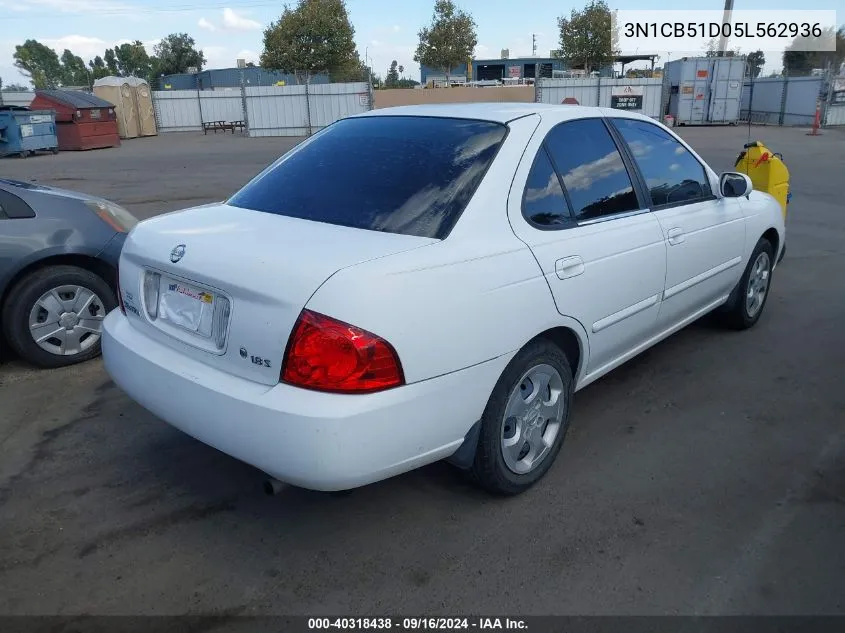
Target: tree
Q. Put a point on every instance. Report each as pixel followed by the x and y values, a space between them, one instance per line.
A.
pixel 802 62
pixel 711 49
pixel 98 68
pixel 12 87
pixel 133 60
pixel 176 53
pixel 755 61
pixel 250 65
pixel 586 37
pixel 392 75
pixel 402 70
pixel 39 63
pixel 450 39
pixel 74 72
pixel 315 36
pixel 111 62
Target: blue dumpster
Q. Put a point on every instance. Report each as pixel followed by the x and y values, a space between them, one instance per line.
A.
pixel 24 131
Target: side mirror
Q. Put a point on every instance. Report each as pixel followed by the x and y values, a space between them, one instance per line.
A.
pixel 735 185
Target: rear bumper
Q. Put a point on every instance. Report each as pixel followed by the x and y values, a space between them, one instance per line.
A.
pixel 306 438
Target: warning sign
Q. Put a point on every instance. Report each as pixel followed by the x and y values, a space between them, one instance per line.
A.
pixel 626 97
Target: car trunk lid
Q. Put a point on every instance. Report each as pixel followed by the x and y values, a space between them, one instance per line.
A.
pixel 225 285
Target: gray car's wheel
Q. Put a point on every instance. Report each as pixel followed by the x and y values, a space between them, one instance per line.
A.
pixel 54 316
pixel 749 297
pixel 525 420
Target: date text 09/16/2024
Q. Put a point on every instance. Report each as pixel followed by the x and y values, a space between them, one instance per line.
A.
pixel 417 624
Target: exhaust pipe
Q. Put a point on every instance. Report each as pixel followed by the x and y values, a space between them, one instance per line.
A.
pixel 273 487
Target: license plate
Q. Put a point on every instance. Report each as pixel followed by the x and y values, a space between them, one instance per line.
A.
pixel 186 306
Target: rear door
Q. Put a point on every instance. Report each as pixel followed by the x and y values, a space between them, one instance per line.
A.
pixel 574 203
pixel 705 234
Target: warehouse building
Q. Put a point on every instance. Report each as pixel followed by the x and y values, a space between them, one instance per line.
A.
pixel 506 67
pixel 222 78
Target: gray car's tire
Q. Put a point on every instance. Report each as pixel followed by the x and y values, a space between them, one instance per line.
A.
pixel 497 467
pixel 742 311
pixel 78 288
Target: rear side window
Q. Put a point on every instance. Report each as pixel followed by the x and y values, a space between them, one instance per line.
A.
pixel 592 169
pixel 673 175
pixel 543 203
pixel 408 175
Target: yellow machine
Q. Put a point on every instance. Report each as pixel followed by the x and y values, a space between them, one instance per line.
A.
pixel 766 170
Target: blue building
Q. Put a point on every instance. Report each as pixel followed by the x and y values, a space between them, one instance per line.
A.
pixel 231 78
pixel 516 68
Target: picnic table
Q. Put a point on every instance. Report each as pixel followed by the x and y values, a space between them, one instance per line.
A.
pixel 223 126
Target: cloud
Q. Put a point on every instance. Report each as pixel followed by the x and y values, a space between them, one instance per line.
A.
pixel 396 28
pixel 375 43
pixel 205 24
pixel 248 55
pixel 235 22
pixel 82 45
pixel 481 51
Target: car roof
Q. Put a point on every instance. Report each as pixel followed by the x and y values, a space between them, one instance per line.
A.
pixel 494 112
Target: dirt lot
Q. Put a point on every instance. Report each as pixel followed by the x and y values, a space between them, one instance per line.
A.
pixel 706 476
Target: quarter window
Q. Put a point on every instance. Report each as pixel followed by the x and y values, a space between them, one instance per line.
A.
pixel 543 203
pixel 592 169
pixel 673 175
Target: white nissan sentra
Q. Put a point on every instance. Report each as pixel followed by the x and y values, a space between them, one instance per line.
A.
pixel 432 282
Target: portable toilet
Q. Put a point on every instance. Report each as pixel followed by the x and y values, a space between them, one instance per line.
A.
pixel 24 131
pixel 83 121
pixel 133 103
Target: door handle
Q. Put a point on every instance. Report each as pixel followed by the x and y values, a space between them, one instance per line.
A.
pixel 569 267
pixel 676 236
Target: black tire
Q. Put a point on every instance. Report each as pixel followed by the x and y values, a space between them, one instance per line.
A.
pixel 489 468
pixel 25 294
pixel 55 150
pixel 735 313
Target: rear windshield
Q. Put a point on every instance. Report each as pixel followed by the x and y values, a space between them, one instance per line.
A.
pixel 398 174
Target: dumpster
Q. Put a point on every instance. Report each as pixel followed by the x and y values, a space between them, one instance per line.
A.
pixel 766 170
pixel 24 131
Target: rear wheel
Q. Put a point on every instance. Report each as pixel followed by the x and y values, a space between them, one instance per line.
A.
pixel 53 317
pixel 749 297
pixel 525 420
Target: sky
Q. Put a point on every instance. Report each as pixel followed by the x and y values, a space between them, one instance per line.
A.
pixel 230 29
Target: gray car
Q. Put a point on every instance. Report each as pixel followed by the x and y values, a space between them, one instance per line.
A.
pixel 58 260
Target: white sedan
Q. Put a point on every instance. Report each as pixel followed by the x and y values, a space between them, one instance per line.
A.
pixel 432 282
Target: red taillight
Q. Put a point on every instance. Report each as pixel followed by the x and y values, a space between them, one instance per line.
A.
pixel 119 293
pixel 329 355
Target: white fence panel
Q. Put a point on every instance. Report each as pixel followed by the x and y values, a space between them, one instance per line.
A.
pixel 177 110
pixel 17 98
pixel 835 115
pixel 221 105
pixel 598 92
pixel 585 91
pixel 277 110
pixel 652 94
pixel 330 102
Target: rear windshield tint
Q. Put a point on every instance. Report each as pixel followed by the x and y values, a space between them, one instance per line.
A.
pixel 398 174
